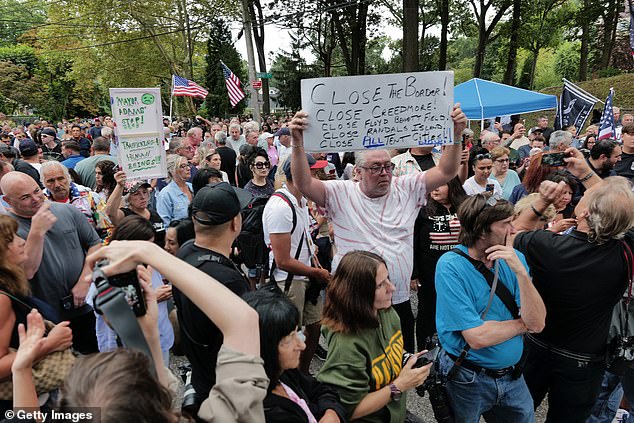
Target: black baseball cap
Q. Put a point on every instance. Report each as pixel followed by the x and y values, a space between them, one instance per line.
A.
pixel 49 131
pixel 218 203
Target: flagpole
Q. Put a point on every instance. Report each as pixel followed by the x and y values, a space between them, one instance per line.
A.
pixel 171 98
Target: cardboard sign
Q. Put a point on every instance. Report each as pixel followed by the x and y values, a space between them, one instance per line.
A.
pixel 137 114
pixel 378 111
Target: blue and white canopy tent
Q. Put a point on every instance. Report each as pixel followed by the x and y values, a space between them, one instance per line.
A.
pixel 480 100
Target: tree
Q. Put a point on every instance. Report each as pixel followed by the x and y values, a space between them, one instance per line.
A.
pixel 350 21
pixel 257 23
pixel 481 10
pixel 514 42
pixel 288 70
pixel 220 48
pixel 410 35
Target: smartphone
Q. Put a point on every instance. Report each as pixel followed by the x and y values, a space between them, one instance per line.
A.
pixel 490 188
pixel 129 284
pixel 428 357
pixel 554 159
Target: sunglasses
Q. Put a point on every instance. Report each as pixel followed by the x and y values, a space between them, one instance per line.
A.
pixel 262 165
pixel 484 156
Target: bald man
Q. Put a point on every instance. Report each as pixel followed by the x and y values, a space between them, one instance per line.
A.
pixel 58 238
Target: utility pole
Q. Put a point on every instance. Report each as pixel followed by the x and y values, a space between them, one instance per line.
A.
pixel 248 36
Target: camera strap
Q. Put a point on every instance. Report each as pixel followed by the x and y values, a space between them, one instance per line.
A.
pixel 629 258
pixel 111 303
pixel 496 288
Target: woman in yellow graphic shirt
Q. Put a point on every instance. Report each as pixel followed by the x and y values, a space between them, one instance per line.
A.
pixel 365 343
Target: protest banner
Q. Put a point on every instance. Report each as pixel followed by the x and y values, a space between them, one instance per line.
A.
pixel 137 114
pixel 378 111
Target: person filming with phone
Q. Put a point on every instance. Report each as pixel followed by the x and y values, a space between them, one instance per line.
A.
pixel 482 285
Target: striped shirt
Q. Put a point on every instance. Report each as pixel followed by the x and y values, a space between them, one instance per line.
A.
pixel 383 225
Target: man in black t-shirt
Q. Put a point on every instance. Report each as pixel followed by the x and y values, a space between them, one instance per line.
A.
pixel 217 222
pixel 227 157
pixel 580 276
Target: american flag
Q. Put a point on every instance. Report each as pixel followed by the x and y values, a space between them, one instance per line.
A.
pixel 185 88
pixel 607 129
pixel 233 85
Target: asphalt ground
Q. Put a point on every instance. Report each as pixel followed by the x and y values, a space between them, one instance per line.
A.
pixel 419 407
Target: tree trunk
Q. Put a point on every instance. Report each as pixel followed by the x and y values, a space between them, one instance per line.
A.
pixel 444 31
pixel 410 36
pixel 609 28
pixel 511 61
pixel 482 43
pixel 362 28
pixel 585 42
pixel 533 68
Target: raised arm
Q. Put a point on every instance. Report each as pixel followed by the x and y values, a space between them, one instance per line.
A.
pixel 449 163
pixel 113 205
pixel 236 320
pixel 41 222
pixel 311 187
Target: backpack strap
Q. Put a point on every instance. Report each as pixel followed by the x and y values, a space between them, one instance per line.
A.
pixel 289 276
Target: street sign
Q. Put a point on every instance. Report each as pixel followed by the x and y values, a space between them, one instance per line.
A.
pixel 264 75
pixel 256 84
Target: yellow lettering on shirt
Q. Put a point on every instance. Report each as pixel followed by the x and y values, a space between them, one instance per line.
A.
pixel 387 366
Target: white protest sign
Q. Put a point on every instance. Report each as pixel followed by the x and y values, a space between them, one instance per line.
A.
pixel 137 114
pixel 378 111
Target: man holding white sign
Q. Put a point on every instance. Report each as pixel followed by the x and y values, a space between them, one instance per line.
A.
pixel 377 214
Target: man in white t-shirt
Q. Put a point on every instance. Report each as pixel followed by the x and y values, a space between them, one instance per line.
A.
pixel 291 248
pixel 377 214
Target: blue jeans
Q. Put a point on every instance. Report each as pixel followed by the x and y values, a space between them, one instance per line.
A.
pixel 472 394
pixel 613 387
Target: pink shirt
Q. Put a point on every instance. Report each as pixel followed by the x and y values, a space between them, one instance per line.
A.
pixel 299 401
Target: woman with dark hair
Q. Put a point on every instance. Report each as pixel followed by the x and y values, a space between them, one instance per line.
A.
pixel 260 185
pixel 365 342
pixel 16 303
pixel 204 177
pixel 243 170
pixel 104 176
pixel 292 396
pixel 136 228
pixel 481 181
pixel 535 175
pixel 563 219
pixel 589 142
pixel 348 165
pixel 435 232
pixel 179 232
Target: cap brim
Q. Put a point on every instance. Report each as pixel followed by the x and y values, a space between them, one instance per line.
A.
pixel 320 164
pixel 244 197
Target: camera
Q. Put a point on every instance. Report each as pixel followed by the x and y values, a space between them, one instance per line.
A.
pixel 434 384
pixel 130 286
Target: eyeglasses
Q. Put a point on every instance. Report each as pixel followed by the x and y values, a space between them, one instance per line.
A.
pixel 184 166
pixel 377 170
pixel 484 156
pixel 298 335
pixel 502 160
pixel 262 165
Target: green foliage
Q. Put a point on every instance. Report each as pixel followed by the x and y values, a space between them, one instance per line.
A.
pixel 288 70
pixel 220 48
pixel 567 60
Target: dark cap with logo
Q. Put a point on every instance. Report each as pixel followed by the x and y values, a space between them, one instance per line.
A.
pixel 312 163
pixel 218 203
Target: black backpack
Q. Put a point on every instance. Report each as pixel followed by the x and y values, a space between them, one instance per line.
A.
pixel 253 252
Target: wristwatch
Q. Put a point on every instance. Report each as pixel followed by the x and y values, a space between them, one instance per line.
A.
pixel 395 393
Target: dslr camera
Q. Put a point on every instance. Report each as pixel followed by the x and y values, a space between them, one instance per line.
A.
pixel 128 283
pixel 434 384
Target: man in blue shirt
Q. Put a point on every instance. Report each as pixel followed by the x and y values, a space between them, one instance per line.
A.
pixel 485 380
pixel 70 150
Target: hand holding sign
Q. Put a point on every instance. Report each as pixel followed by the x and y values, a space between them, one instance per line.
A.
pixel 379 111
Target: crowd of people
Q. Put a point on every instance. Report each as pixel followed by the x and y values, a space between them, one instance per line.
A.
pixel 517 245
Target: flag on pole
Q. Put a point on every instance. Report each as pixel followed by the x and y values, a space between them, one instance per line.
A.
pixel 182 87
pixel 574 108
pixel 631 26
pixel 233 85
pixel 607 128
